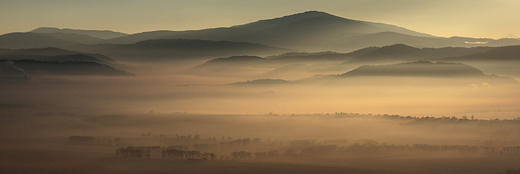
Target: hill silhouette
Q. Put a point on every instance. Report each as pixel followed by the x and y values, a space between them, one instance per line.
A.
pixel 101 34
pixel 315 31
pixel 76 38
pixel 298 31
pixel 229 66
pixel 31 40
pixel 296 57
pixel 36 67
pixel 178 49
pixel 53 54
pixel 316 21
pixel 257 82
pixel 235 60
pixel 310 31
pixel 498 54
pixel 402 52
pixel 420 68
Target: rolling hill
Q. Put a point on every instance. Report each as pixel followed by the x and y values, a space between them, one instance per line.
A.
pixel 100 34
pixel 31 40
pixel 18 68
pixel 178 49
pixel 315 31
pixel 308 31
pixel 498 54
pixel 420 68
pixel 53 54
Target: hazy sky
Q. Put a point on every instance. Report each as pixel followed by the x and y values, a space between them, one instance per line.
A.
pixel 472 18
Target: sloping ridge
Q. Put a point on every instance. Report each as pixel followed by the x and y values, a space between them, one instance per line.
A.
pixel 31 40
pixel 262 82
pixel 101 34
pixel 316 21
pixel 235 60
pixel 420 68
pixel 37 67
pixel 53 54
pixel 309 30
pixel 507 53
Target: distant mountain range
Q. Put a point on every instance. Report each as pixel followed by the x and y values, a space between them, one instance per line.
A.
pixel 55 61
pixel 417 69
pixel 36 67
pixel 178 49
pixel 456 73
pixel 100 34
pixel 317 31
pixel 445 73
pixel 53 54
pixel 308 31
pixel 304 64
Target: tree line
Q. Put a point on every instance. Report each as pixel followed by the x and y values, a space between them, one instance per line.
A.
pixel 166 152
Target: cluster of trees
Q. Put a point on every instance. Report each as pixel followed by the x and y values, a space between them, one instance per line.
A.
pixel 511 171
pixel 170 152
pixel 241 155
pixel 415 120
pixel 133 151
pixel 184 154
pixel 510 150
pixel 197 137
pixel 374 147
pixel 239 143
pixel 149 134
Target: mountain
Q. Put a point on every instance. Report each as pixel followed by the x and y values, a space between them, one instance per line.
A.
pixel 402 52
pixel 301 65
pixel 100 34
pixel 317 31
pixel 320 22
pixel 36 67
pixel 420 68
pixel 230 66
pixel 234 60
pixel 257 82
pixel 319 57
pixel 53 54
pixel 178 49
pixel 308 31
pixel 76 38
pixel 414 73
pixel 508 53
pixel 31 40
pixel 299 31
pixel 410 73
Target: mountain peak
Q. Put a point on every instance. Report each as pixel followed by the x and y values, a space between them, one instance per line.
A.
pixel 511 35
pixel 101 34
pixel 311 14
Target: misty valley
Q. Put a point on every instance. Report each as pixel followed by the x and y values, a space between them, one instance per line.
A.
pixel 304 93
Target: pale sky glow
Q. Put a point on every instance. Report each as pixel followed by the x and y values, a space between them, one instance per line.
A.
pixel 471 18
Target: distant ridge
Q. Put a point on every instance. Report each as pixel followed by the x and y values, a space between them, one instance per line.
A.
pixel 178 49
pixel 261 82
pixel 420 68
pixel 313 31
pixel 67 68
pixel 53 54
pixel 507 53
pixel 31 40
pixel 101 34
